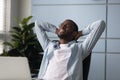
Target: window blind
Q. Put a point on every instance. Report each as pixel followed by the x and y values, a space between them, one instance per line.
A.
pixel 1 15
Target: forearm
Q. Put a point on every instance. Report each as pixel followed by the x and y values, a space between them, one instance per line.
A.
pixel 92 27
pixel 94 32
pixel 40 30
pixel 47 26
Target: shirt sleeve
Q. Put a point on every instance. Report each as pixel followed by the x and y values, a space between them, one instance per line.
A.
pixel 40 31
pixel 93 32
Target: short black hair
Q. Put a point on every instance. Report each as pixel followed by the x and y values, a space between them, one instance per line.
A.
pixel 75 25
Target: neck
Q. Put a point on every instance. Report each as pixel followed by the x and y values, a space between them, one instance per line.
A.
pixel 63 41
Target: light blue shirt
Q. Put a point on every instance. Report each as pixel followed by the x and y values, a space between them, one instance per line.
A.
pixel 79 51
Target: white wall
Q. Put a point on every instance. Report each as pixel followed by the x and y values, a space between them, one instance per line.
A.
pixel 106 54
pixel 14 11
pixel 24 8
pixel 19 9
pixel 83 12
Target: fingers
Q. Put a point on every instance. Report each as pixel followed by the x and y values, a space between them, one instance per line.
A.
pixel 56 31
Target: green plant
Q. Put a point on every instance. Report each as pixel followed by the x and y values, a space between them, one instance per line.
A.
pixel 24 42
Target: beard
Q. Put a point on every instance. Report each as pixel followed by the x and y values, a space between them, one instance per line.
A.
pixel 62 36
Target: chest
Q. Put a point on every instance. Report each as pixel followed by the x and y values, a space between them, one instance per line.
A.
pixel 61 54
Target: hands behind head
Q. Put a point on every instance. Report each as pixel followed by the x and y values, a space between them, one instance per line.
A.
pixel 79 34
pixel 56 31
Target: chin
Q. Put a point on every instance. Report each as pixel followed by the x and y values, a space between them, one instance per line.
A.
pixel 62 36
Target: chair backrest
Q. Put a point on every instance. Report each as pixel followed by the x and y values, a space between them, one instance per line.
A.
pixel 86 67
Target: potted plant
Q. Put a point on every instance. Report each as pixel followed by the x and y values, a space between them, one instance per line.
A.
pixel 25 44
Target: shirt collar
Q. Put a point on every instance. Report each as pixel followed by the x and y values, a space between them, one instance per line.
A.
pixel 69 43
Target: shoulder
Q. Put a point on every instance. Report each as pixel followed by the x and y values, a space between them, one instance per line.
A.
pixel 53 44
pixel 54 41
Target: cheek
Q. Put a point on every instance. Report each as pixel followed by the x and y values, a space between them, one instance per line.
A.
pixel 61 30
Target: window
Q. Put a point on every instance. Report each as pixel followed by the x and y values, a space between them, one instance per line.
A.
pixel 1 15
pixel 1 24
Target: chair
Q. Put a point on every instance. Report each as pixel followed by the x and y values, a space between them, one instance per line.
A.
pixel 86 67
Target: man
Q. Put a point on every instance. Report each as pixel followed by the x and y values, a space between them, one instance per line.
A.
pixel 62 59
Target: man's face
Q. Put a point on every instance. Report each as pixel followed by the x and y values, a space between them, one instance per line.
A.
pixel 65 29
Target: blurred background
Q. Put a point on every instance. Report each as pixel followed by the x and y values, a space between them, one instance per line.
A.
pixel 105 58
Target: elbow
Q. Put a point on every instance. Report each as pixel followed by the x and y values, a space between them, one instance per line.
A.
pixel 103 24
